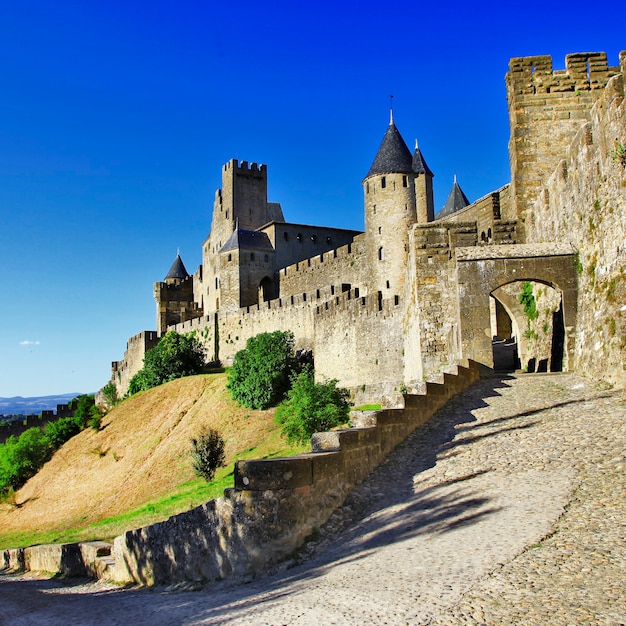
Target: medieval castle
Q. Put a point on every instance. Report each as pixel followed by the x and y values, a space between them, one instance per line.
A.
pixel 418 292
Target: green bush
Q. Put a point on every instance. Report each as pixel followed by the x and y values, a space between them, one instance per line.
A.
pixel 81 409
pixel 207 453
pixel 109 393
pixel 173 357
pixel 312 407
pixel 261 371
pixel 21 458
pixel 60 431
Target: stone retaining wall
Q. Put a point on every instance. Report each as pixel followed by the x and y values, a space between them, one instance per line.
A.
pixel 274 506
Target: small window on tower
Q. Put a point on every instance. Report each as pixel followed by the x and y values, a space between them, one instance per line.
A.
pixel 405 181
pixel 381 253
pixel 383 182
pixel 252 256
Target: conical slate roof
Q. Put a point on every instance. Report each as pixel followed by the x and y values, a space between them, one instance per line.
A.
pixel 419 163
pixel 249 239
pixel 456 201
pixel 178 269
pixel 393 156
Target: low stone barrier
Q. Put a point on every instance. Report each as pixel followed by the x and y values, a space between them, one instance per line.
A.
pixel 274 505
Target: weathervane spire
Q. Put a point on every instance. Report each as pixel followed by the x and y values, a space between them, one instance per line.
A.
pixel 390 109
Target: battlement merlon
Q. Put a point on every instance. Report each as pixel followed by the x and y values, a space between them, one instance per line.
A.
pixel 583 71
pixel 245 167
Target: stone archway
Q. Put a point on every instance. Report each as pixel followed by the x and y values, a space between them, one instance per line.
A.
pixel 483 271
pixel 527 327
pixel 266 290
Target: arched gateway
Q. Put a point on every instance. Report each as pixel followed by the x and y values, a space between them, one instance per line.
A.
pixel 483 272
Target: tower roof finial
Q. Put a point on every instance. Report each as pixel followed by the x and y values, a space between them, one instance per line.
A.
pixel 390 109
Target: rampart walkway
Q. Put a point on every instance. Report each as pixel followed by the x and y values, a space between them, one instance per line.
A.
pixel 509 508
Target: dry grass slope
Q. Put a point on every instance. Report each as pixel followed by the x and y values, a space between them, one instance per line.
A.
pixel 141 454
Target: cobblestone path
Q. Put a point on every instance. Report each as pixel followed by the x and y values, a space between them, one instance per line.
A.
pixel 509 508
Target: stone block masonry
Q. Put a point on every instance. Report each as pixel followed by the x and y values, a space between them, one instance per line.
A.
pixel 584 203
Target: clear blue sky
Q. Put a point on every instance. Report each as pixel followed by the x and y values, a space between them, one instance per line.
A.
pixel 116 117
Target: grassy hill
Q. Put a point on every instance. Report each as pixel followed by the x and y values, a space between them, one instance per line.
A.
pixel 136 470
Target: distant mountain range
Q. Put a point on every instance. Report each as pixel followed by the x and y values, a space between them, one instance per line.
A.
pixel 26 406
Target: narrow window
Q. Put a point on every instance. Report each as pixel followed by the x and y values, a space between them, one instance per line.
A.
pixel 267 258
pixel 252 256
pixel 387 284
pixel 217 282
pixel 367 187
pixel 380 230
pixel 405 181
pixel 381 253
pixel 226 214
pixel 230 257
pixel 383 182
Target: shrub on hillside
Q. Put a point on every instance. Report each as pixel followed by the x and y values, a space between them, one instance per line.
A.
pixel 60 431
pixel 173 357
pixel 260 373
pixel 207 453
pixel 109 393
pixel 21 457
pixel 312 407
pixel 81 407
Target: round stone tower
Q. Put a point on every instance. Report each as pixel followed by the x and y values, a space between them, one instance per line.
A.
pixel 398 193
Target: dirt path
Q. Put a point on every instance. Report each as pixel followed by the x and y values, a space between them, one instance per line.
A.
pixel 509 508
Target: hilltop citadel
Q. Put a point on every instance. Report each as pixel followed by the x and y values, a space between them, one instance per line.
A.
pixel 416 293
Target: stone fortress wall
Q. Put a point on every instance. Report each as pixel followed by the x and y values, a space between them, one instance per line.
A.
pixel 583 201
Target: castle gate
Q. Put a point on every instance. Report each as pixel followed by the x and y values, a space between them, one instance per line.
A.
pixel 483 272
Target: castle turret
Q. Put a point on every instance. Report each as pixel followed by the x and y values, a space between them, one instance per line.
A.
pixel 391 189
pixel 175 297
pixel 177 272
pixel 424 203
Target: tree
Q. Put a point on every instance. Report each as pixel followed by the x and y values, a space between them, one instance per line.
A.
pixel 312 407
pixel 207 453
pixel 173 357
pixel 260 373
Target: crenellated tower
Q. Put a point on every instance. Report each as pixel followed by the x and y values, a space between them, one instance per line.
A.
pixel 546 109
pixel 398 194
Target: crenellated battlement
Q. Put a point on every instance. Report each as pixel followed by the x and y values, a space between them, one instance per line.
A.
pixel 343 253
pixel 245 167
pixel 584 71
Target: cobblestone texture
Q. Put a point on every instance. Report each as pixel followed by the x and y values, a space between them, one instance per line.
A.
pixel 509 508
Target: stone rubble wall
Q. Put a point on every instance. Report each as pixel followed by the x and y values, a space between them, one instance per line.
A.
pixel 274 505
pixel 584 203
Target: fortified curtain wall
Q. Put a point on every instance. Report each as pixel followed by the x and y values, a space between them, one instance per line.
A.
pixel 344 265
pixel 584 202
